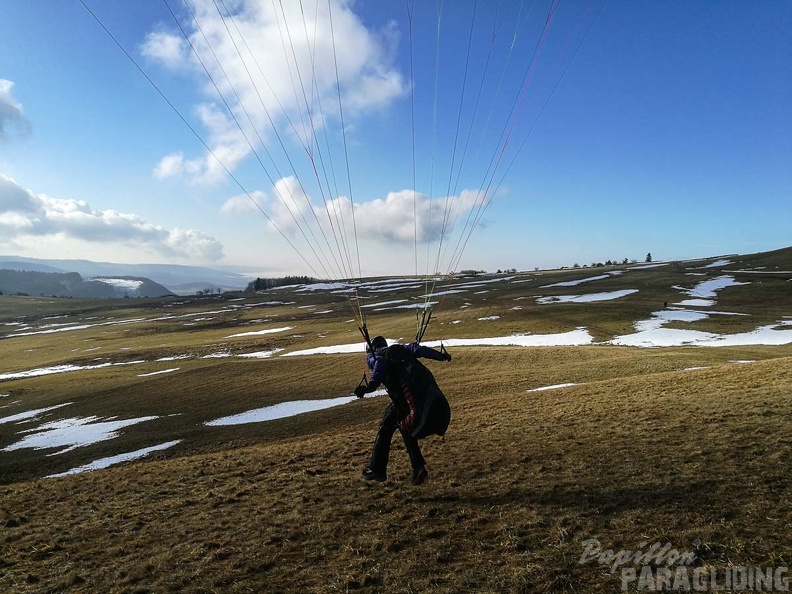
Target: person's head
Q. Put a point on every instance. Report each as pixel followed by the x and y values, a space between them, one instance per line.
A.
pixel 377 343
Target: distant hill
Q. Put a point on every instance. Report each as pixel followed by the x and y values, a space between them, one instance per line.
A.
pixel 72 284
pixel 770 261
pixel 28 266
pixel 183 280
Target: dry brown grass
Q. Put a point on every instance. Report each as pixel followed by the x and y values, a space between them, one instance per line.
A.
pixel 523 478
pixel 639 451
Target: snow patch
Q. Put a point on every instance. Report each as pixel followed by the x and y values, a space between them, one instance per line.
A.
pixel 446 292
pixel 358 347
pixel 30 414
pixel 696 303
pixel 707 289
pixel 590 298
pixel 555 387
pixel 112 460
pixel 577 337
pixel 573 283
pixel 323 287
pixel 261 354
pixel 72 433
pixel 650 333
pixel 260 332
pixel 426 305
pixel 174 358
pixel 159 372
pixel 287 409
pixel 647 266
pixel 383 303
pixel 60 369
pixel 122 284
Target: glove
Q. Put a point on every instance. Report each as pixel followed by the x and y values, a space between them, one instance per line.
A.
pixel 359 391
pixel 446 356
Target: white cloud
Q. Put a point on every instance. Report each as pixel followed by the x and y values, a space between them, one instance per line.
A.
pixel 399 217
pixel 228 143
pixel 25 216
pixel 290 207
pixel 275 63
pixel 11 114
pixel 168 49
pixel 170 166
pixel 242 204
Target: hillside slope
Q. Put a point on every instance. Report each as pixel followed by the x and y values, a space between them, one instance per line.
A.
pixel 637 405
pixel 71 284
pixel 697 459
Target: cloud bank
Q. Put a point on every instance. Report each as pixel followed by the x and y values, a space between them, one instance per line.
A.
pixel 11 115
pixel 402 217
pixel 275 65
pixel 25 215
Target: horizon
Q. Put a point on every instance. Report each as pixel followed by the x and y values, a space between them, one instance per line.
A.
pixel 636 131
pixel 253 272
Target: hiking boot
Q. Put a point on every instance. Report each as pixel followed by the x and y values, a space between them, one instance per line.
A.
pixel 419 475
pixel 370 475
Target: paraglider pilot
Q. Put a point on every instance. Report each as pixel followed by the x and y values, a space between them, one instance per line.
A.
pixel 418 408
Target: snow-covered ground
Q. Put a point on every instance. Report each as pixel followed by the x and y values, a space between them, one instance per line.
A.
pixel 261 354
pixel 72 433
pixel 355 347
pixel 287 409
pixel 652 334
pixel 323 287
pixel 708 289
pixel 261 332
pixel 111 460
pixel 421 305
pixel 577 337
pixel 589 298
pixel 384 303
pixel 392 288
pixel 122 284
pixel 59 369
pixel 441 293
pixel 647 266
pixel 573 283
pixel 554 387
pixel 171 370
pixel 30 415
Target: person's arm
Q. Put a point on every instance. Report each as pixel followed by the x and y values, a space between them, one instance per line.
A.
pixel 426 352
pixel 378 373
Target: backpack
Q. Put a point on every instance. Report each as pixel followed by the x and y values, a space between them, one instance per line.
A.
pixel 423 408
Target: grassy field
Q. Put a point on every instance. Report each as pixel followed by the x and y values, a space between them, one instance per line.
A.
pixel 683 445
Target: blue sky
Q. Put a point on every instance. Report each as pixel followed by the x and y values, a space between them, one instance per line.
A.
pixel 659 127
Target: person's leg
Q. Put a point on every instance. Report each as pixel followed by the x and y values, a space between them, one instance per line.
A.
pixel 381 452
pixel 416 459
pixel 413 451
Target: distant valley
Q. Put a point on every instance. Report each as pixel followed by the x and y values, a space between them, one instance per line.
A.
pixel 128 280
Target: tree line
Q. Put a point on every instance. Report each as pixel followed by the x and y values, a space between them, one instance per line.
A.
pixel 262 284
